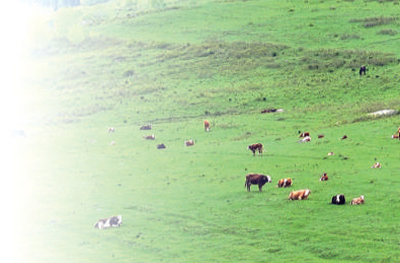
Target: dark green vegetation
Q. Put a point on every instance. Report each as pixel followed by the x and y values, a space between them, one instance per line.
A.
pixel 175 63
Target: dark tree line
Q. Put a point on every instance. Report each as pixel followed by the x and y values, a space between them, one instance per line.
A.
pixel 54 4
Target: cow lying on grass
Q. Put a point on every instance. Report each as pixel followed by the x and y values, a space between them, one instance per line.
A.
pixel 338 200
pixel 324 177
pixel 285 182
pixel 114 221
pixel 299 194
pixel 358 200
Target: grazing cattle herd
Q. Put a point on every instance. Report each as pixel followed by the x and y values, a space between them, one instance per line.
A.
pixel 252 178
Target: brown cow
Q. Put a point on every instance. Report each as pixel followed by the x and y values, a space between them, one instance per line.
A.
pixel 149 137
pixel 304 134
pixel 256 147
pixel 299 194
pixel 324 177
pixel 285 182
pixel 395 136
pixel 344 137
pixel 258 179
pixel 321 136
pixel 206 125
pixel 358 201
pixel 377 165
pixel 189 143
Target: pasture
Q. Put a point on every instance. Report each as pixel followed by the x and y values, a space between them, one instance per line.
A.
pixel 173 64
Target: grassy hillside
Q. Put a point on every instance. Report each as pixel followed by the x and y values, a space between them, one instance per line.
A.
pixel 175 63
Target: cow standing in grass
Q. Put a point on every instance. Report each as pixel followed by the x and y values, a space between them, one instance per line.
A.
pixel 258 179
pixel 363 70
pixel 206 125
pixel 256 147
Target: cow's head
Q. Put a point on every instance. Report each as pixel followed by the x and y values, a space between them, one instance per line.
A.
pixel 268 179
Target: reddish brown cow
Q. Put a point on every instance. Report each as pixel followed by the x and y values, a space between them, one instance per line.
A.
pixel 149 137
pixel 324 177
pixel 256 147
pixel 189 143
pixel 321 136
pixel 206 125
pixel 258 179
pixel 285 182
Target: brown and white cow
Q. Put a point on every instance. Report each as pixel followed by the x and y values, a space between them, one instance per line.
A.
pixel 285 182
pixel 331 153
pixel 305 139
pixel 256 147
pixel 206 125
pixel 377 165
pixel 114 221
pixel 358 201
pixel 257 179
pixel 189 143
pixel 111 129
pixel 149 137
pixel 324 177
pixel 299 194
pixel 396 136
pixel 304 134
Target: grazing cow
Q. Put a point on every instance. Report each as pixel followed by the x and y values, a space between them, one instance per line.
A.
pixel 161 146
pixel 258 179
pixel 338 200
pixel 304 134
pixel 146 127
pixel 363 70
pixel 206 125
pixel 324 177
pixel 331 153
pixel 285 182
pixel 256 147
pixel 321 136
pixel 377 165
pixel 344 137
pixel 111 129
pixel 305 139
pixel 189 143
pixel 299 194
pixel 149 137
pixel 358 200
pixel 114 221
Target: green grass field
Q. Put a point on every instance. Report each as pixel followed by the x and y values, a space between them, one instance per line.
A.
pixel 173 64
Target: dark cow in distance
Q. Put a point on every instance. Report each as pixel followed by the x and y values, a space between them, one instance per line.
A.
pixel 146 127
pixel 256 147
pixel 257 179
pixel 363 70
pixel 338 200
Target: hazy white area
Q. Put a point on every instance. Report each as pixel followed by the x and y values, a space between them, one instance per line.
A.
pixel 14 23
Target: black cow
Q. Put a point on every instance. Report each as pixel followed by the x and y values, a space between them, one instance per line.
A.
pixel 258 179
pixel 338 200
pixel 363 69
pixel 161 146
